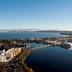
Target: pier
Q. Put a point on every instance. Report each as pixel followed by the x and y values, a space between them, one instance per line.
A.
pixel 44 46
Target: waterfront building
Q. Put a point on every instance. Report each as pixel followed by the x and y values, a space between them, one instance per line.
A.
pixel 6 56
pixel 68 43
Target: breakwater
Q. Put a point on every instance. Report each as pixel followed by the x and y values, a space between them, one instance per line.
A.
pixel 44 46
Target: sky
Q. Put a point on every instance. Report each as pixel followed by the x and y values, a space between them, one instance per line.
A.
pixel 36 14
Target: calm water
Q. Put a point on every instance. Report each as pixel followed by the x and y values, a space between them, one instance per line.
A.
pixel 23 35
pixel 52 59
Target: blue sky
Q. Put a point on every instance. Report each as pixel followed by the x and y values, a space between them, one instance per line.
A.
pixel 36 14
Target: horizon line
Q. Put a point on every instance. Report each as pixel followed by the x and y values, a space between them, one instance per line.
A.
pixel 38 29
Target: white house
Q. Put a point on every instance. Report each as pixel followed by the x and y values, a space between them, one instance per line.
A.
pixel 68 43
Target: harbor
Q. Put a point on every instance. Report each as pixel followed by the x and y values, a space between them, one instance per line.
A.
pixel 15 50
pixel 8 52
pixel 35 35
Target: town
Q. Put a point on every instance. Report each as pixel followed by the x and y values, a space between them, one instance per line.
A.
pixel 10 48
pixel 19 49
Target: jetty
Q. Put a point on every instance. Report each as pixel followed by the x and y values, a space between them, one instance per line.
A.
pixel 43 46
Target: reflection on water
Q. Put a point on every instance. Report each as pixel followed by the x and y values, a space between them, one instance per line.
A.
pixel 70 48
pixel 51 59
pixel 36 45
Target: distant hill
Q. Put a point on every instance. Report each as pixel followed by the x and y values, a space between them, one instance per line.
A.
pixel 33 30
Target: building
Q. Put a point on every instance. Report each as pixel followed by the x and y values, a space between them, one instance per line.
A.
pixel 68 43
pixel 6 56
